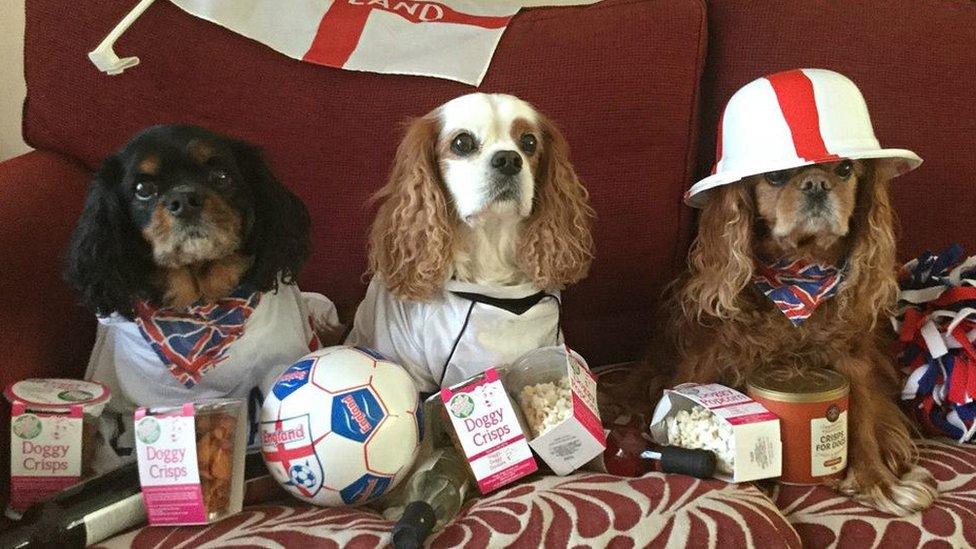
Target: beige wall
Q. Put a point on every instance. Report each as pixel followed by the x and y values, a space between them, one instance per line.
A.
pixel 12 87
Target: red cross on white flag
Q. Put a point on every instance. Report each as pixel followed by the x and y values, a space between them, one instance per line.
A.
pixel 452 39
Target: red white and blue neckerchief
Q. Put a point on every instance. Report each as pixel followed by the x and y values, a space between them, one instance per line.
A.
pixel 796 287
pixel 936 326
pixel 193 341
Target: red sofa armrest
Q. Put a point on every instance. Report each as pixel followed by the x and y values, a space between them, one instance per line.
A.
pixel 43 331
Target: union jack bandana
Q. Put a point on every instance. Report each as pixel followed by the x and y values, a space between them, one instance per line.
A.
pixel 193 341
pixel 797 287
pixel 936 326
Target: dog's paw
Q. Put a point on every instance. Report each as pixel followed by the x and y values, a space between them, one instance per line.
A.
pixel 324 319
pixel 914 491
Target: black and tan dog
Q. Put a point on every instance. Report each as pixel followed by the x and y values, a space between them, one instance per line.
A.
pixel 188 250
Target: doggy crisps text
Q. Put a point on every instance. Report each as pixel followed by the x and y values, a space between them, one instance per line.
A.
pixel 488 431
pixel 167 453
pixel 45 454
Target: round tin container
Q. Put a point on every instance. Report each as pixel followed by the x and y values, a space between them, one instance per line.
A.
pixel 812 409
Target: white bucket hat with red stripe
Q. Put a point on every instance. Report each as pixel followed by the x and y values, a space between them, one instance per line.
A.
pixel 792 119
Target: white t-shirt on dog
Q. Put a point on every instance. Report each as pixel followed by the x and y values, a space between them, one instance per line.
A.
pixel 458 333
pixel 167 357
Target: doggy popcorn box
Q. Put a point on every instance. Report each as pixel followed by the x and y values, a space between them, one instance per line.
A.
pixel 743 434
pixel 52 430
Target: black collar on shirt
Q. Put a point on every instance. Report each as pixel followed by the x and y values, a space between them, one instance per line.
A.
pixel 514 305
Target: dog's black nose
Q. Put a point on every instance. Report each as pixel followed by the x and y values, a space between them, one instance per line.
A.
pixel 184 202
pixel 814 185
pixel 507 162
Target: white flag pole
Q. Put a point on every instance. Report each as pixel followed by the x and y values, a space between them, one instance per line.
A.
pixel 104 56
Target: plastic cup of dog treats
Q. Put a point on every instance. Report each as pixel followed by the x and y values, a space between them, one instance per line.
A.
pixel 53 423
pixel 191 461
pixel 812 409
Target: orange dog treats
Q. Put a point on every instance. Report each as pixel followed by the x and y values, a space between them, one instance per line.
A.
pixel 215 458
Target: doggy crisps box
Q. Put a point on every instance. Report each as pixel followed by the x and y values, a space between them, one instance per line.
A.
pixel 743 434
pixel 191 461
pixel 488 431
pixel 51 432
pixel 557 394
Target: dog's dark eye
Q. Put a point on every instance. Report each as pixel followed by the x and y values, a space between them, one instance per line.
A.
pixel 145 190
pixel 844 169
pixel 778 178
pixel 463 144
pixel 220 177
pixel 528 143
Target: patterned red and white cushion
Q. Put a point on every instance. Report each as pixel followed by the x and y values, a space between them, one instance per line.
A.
pixel 824 518
pixel 587 509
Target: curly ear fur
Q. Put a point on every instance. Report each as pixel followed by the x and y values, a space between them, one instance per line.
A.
pixel 720 262
pixel 870 288
pixel 108 261
pixel 414 234
pixel 556 246
pixel 278 240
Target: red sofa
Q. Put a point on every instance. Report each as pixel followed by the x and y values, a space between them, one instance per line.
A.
pixel 636 86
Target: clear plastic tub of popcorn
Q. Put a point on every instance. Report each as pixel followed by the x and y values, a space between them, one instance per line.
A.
pixel 191 460
pixel 52 438
pixel 556 393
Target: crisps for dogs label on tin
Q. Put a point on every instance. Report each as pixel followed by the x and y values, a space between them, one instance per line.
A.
pixel 828 442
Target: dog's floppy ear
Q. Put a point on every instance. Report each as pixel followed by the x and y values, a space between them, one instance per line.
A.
pixel 278 239
pixel 720 263
pixel 109 262
pixel 556 247
pixel 412 239
pixel 870 287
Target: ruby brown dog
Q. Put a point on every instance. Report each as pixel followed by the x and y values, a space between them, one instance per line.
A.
pixel 794 266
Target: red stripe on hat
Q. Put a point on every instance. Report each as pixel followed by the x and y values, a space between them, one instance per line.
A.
pixel 718 143
pixel 794 92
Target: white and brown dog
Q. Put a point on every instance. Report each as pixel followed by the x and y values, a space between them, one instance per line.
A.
pixel 482 222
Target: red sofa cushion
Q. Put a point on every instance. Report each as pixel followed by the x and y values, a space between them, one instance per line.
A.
pixel 40 198
pixel 620 78
pixel 602 511
pixel 583 510
pixel 824 518
pixel 914 62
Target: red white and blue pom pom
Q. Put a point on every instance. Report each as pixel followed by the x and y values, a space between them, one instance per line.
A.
pixel 936 326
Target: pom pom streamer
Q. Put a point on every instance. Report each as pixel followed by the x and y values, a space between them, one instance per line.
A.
pixel 936 326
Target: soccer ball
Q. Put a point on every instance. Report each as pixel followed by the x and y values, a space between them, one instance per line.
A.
pixel 341 426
